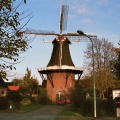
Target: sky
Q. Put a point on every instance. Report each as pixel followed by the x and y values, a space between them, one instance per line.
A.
pixel 100 17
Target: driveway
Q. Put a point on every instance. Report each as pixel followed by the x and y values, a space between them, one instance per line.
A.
pixel 46 113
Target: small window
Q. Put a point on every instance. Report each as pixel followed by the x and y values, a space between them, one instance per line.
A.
pixel 59 95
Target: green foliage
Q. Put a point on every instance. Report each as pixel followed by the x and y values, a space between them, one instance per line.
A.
pixel 4 103
pixel 28 84
pixel 29 88
pixel 26 102
pixel 88 107
pixel 69 113
pixel 12 40
pixel 107 107
pixel 15 98
pixel 77 96
pixel 117 66
pixel 31 107
pixel 43 98
pixel 104 107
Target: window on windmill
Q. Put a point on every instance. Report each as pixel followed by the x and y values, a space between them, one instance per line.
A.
pixel 59 95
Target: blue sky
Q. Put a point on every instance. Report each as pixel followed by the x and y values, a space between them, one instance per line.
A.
pixel 91 16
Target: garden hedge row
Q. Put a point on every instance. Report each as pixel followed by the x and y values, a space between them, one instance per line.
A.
pixel 4 103
pixel 103 107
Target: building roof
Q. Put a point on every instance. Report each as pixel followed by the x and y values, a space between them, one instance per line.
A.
pixel 8 85
pixel 14 88
pixel 61 53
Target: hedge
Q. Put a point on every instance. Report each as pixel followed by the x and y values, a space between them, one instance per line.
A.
pixel 4 103
pixel 103 107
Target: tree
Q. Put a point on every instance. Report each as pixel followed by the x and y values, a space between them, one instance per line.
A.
pixel 30 90
pixel 103 56
pixel 12 40
pixel 116 67
pixel 43 98
pixel 77 96
pixel 117 64
pixel 28 84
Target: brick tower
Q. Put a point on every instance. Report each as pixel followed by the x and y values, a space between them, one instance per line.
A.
pixel 59 75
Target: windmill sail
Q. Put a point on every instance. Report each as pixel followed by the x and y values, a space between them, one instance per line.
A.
pixel 63 18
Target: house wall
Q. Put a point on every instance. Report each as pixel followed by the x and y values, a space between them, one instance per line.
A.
pixel 59 81
pixel 116 93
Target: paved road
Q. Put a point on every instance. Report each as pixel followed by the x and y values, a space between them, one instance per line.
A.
pixel 46 113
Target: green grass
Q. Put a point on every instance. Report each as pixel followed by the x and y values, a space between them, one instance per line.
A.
pixel 70 111
pixel 24 109
pixel 31 107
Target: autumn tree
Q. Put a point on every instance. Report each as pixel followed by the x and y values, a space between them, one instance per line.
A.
pixel 77 96
pixel 12 39
pixel 117 64
pixel 30 89
pixel 103 56
pixel 28 84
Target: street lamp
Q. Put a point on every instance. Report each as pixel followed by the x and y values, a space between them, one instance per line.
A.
pixel 83 34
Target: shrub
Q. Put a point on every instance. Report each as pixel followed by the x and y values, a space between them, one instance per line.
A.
pixel 4 104
pixel 103 107
pixel 77 96
pixel 26 102
pixel 106 107
pixel 15 97
pixel 43 98
pixel 88 107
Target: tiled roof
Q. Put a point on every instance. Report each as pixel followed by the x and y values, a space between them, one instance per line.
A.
pixel 14 88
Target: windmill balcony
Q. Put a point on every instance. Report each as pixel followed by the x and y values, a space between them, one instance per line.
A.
pixel 63 67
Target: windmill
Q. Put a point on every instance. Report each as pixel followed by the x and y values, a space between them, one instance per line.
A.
pixel 59 75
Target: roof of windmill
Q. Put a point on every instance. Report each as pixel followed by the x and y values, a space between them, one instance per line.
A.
pixel 61 53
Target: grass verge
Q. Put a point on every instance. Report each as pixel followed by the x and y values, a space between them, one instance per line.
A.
pixel 31 107
pixel 24 109
pixel 70 111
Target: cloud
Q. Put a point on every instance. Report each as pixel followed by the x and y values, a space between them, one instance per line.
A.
pixel 72 16
pixel 82 10
pixel 86 20
pixel 79 9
